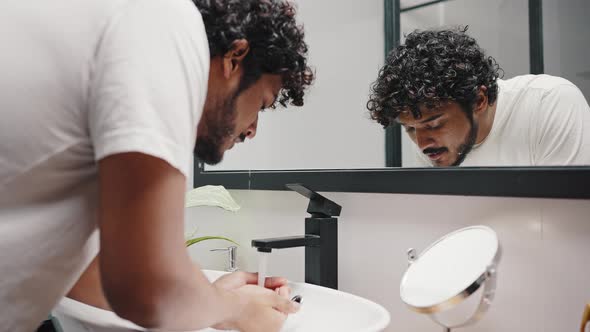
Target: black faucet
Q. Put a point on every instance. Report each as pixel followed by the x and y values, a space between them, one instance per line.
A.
pixel 320 239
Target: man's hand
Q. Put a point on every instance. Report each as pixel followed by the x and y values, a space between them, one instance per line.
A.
pixel 237 279
pixel 264 310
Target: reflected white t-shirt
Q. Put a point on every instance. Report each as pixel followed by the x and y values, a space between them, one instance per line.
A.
pixel 540 120
pixel 81 80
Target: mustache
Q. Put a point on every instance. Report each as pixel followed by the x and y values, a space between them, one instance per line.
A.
pixel 434 150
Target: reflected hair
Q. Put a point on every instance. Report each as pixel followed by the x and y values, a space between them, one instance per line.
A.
pixel 432 67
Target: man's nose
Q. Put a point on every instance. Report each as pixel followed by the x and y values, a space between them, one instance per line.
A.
pixel 424 139
pixel 251 131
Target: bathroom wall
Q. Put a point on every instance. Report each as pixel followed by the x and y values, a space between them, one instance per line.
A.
pixel 499 26
pixel 567 41
pixel 544 275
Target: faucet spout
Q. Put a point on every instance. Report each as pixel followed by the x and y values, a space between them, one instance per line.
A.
pixel 320 239
pixel 266 245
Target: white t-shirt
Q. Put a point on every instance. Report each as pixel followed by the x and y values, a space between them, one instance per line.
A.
pixel 540 120
pixel 81 80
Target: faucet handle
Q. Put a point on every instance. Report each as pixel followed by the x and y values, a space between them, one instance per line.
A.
pixel 224 249
pixel 319 206
pixel 231 255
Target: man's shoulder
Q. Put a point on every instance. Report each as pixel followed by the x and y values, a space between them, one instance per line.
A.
pixel 543 83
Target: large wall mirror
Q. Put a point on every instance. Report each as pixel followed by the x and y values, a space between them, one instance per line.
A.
pixel 332 142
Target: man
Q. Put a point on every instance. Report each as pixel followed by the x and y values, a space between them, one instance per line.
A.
pixel 446 93
pixel 100 103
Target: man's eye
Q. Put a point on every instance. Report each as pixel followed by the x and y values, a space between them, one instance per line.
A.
pixel 409 129
pixel 433 127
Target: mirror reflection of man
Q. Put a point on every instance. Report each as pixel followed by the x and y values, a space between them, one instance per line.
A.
pixel 446 93
pixel 101 103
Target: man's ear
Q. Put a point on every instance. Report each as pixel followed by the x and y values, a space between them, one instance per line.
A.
pixel 233 59
pixel 481 102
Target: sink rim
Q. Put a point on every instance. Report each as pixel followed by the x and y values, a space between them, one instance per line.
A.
pixel 105 318
pixel 384 315
pixel 381 312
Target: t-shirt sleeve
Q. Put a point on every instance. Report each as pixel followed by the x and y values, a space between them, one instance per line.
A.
pixel 149 82
pixel 563 128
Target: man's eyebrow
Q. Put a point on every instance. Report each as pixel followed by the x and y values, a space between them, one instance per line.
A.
pixel 434 117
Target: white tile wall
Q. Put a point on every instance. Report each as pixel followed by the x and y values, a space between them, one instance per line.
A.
pixel 544 275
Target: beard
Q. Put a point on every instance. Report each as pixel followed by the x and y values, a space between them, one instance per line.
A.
pixel 209 148
pixel 469 142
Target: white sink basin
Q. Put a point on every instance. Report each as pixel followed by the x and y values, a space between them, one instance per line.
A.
pixel 322 309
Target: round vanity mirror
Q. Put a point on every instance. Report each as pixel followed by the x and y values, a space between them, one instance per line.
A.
pixel 450 271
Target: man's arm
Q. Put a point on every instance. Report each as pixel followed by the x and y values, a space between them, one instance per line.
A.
pixel 88 288
pixel 146 273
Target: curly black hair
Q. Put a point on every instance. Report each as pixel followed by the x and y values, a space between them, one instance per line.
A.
pixel 433 67
pixel 276 42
